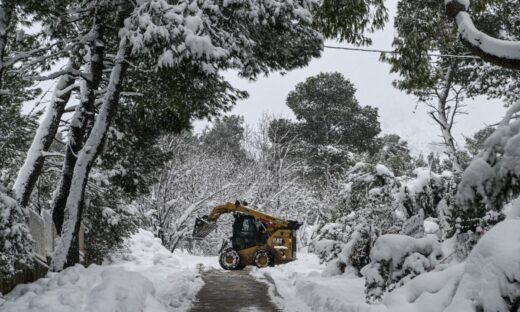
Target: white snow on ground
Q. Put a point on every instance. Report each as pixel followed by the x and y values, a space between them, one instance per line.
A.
pixel 486 280
pixel 492 272
pixel 147 278
pixel 429 292
pixel 299 286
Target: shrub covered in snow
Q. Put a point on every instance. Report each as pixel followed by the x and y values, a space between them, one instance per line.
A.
pixel 396 259
pixel 107 225
pixel 15 238
pixel 487 281
pixel 492 179
pixel 370 201
pixel 355 253
pixel 429 194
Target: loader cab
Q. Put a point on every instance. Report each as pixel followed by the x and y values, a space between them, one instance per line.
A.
pixel 247 232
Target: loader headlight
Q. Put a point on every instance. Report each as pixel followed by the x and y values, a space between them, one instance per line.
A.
pixel 278 241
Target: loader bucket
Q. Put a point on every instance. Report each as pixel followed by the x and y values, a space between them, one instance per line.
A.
pixel 202 228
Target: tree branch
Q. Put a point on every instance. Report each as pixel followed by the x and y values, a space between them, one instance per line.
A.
pixel 503 53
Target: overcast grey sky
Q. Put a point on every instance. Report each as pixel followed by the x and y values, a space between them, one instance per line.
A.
pixel 374 87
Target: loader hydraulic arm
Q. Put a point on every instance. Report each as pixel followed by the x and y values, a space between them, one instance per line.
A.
pixel 206 224
pixel 217 211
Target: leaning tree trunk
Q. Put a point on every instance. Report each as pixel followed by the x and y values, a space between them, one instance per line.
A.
pixel 80 126
pixel 88 154
pixel 33 165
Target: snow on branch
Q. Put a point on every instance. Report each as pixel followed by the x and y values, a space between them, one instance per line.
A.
pixel 500 52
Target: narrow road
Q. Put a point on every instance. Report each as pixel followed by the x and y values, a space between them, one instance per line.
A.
pixel 232 291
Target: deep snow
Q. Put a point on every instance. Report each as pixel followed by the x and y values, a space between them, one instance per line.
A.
pixel 149 278
pixel 484 282
pixel 301 286
pixel 146 278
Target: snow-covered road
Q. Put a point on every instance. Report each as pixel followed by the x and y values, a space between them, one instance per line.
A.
pixel 232 291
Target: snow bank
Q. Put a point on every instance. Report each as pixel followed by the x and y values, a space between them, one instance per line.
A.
pixel 147 278
pixel 428 292
pixel 394 248
pixel 300 286
pixel 492 272
pixel 488 281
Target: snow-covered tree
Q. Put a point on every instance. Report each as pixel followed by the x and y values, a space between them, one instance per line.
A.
pixel 349 20
pixel 395 154
pixel 443 82
pixel 396 259
pixel 170 35
pixel 15 239
pixel 502 51
pixel 490 180
pixel 226 137
pixel 331 124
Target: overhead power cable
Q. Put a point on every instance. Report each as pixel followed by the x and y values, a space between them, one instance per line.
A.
pixel 395 52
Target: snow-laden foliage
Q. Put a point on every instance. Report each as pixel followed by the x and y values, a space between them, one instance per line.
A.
pixel 369 201
pixel 491 280
pixel 359 207
pixel 431 193
pixel 486 281
pixel 492 178
pixel 395 259
pixel 15 239
pixel 230 34
pixel 107 224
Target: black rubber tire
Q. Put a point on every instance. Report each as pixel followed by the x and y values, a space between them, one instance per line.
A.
pixel 232 253
pixel 263 258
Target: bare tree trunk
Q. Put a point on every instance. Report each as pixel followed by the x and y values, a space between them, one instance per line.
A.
pixel 445 121
pixel 88 154
pixel 32 167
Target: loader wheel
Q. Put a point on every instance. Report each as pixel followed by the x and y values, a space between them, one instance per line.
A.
pixel 229 259
pixel 263 258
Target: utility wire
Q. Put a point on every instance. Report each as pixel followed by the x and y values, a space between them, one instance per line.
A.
pixel 395 52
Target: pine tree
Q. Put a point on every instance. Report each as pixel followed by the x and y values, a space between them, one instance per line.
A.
pixel 351 20
pixel 226 136
pixel 395 154
pixel 331 124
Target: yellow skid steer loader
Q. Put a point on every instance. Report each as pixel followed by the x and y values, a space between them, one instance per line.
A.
pixel 258 239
